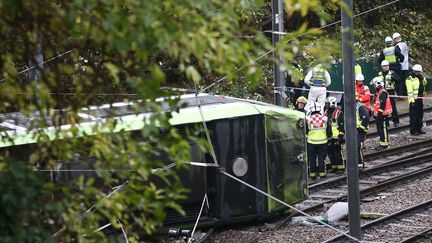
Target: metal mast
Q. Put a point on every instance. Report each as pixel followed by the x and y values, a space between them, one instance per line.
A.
pixel 350 119
pixel 277 25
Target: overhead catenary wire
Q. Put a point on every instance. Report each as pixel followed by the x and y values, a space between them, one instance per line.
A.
pixel 41 63
pixel 287 205
pixel 90 209
pixel 70 50
pixel 285 88
pixel 257 189
pixel 204 202
pixel 67 52
pixel 223 78
pixel 300 35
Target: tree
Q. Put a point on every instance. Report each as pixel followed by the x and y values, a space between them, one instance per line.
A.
pixel 115 47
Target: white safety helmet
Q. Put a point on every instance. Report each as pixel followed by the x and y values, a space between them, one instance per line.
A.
pixel 417 68
pixel 359 77
pixel 378 82
pixel 315 107
pixel 385 63
pixel 388 39
pixel 396 35
pixel 332 101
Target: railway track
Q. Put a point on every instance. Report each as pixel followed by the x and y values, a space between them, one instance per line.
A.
pixel 405 151
pixel 397 129
pixel 402 226
pixel 404 115
pixel 372 180
pixel 419 237
pixel 414 157
pixel 398 150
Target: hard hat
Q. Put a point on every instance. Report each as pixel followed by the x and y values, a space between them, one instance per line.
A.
pixel 359 77
pixel 388 39
pixel 385 63
pixel 301 99
pixel 396 35
pixel 378 82
pixel 332 101
pixel 417 68
pixel 316 107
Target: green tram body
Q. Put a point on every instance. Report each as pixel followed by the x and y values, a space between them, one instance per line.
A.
pixel 265 143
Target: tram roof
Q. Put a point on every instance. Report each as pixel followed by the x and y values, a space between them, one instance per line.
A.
pixel 18 129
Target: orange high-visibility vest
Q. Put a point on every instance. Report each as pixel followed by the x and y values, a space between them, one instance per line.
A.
pixel 388 108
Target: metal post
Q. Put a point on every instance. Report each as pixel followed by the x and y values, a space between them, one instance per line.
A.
pixel 35 74
pixel 350 120
pixel 278 25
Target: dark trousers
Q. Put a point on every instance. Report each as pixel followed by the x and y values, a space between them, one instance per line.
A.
pixel 404 75
pixel 382 124
pixel 316 151
pixel 334 151
pixel 399 85
pixel 416 115
pixel 361 137
pixel 395 115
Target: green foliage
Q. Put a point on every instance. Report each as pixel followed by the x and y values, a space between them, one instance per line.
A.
pixel 411 19
pixel 120 47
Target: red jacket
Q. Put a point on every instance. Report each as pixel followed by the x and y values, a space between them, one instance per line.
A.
pixel 382 103
pixel 363 94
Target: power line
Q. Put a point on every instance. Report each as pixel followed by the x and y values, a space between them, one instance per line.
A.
pixel 41 63
pixel 301 35
pixel 239 69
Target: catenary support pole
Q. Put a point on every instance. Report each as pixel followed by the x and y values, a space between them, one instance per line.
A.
pixel 350 119
pixel 36 73
pixel 278 25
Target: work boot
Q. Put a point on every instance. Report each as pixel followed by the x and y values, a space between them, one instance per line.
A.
pixel 312 176
pixel 333 170
pixel 421 132
pixel 322 175
pixel 340 171
pixel 415 133
pixel 361 166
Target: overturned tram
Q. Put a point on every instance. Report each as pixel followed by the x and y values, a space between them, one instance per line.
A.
pixel 261 144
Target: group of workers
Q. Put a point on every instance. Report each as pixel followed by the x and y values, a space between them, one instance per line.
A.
pixel 324 114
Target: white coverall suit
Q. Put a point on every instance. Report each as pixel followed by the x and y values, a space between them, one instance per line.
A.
pixel 318 79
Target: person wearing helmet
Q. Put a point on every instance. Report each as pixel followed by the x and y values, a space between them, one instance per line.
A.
pixel 382 108
pixel 301 103
pixel 404 49
pixel 391 79
pixel 362 91
pixel 416 84
pixel 317 133
pixel 391 54
pixel 336 123
pixel 362 120
pixel 294 79
pixel 318 79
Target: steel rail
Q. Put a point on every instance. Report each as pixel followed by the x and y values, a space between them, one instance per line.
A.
pixel 423 234
pixel 389 217
pixel 413 159
pixel 402 115
pixel 398 150
pixel 376 188
pixel 373 189
pixel 397 129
